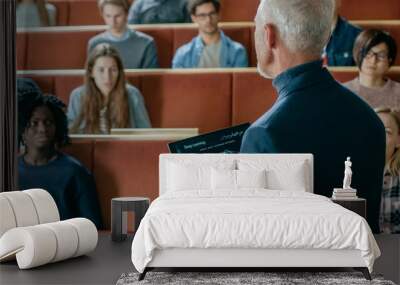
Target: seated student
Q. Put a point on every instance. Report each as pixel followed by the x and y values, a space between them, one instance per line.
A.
pixel 375 52
pixel 338 51
pixel 42 129
pixel 27 85
pixel 35 13
pixel 137 49
pixel 105 101
pixel 158 12
pixel 390 203
pixel 211 48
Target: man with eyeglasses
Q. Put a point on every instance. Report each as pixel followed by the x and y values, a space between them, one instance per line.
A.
pixel 374 53
pixel 211 48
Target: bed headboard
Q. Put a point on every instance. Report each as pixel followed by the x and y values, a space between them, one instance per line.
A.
pixel 274 160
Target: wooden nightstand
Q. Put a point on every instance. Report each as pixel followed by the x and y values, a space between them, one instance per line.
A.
pixel 358 205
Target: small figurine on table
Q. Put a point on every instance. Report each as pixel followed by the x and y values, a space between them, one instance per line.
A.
pixel 347 192
pixel 347 174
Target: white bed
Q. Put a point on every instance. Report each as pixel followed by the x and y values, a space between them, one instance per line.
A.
pixel 201 220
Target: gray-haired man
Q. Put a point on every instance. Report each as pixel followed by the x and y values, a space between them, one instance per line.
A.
pixel 314 113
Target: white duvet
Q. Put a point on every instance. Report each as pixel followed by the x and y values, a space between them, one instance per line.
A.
pixel 250 219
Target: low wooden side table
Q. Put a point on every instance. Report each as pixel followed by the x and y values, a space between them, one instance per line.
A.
pixel 358 205
pixel 119 214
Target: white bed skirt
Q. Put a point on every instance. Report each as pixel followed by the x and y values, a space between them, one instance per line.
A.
pixel 189 257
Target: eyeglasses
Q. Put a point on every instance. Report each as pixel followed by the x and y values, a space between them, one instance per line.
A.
pixel 204 16
pixel 380 56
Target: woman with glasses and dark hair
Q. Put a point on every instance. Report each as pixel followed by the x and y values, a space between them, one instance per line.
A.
pixel 374 53
pixel 42 130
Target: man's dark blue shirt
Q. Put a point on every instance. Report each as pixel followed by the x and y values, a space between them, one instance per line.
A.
pixel 315 114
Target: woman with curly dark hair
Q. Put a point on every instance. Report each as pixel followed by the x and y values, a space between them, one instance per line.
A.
pixel 42 130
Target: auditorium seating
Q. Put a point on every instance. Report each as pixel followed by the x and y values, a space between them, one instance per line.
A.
pixel 65 48
pixel 83 149
pixel 85 12
pixel 204 99
pixel 120 168
pixel 252 95
pixel 208 99
pixel 370 9
pixel 191 103
pixel 63 10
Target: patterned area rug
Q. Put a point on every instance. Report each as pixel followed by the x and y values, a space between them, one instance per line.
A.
pixel 243 278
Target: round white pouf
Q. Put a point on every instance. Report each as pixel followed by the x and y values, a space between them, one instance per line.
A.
pixel 87 234
pixel 40 244
pixel 6 216
pixel 45 205
pixel 33 246
pixel 26 208
pixel 67 240
pixel 23 208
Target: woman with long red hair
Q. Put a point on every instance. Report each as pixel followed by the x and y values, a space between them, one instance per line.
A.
pixel 105 101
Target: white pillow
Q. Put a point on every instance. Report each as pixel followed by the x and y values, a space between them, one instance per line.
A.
pixel 293 179
pixel 281 174
pixel 237 179
pixel 251 179
pixel 181 177
pixel 223 179
pixel 189 176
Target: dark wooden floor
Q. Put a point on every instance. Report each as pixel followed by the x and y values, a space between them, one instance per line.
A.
pixel 103 266
pixel 106 264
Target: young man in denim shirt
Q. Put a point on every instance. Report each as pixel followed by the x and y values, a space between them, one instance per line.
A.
pixel 158 12
pixel 211 48
pixel 339 51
